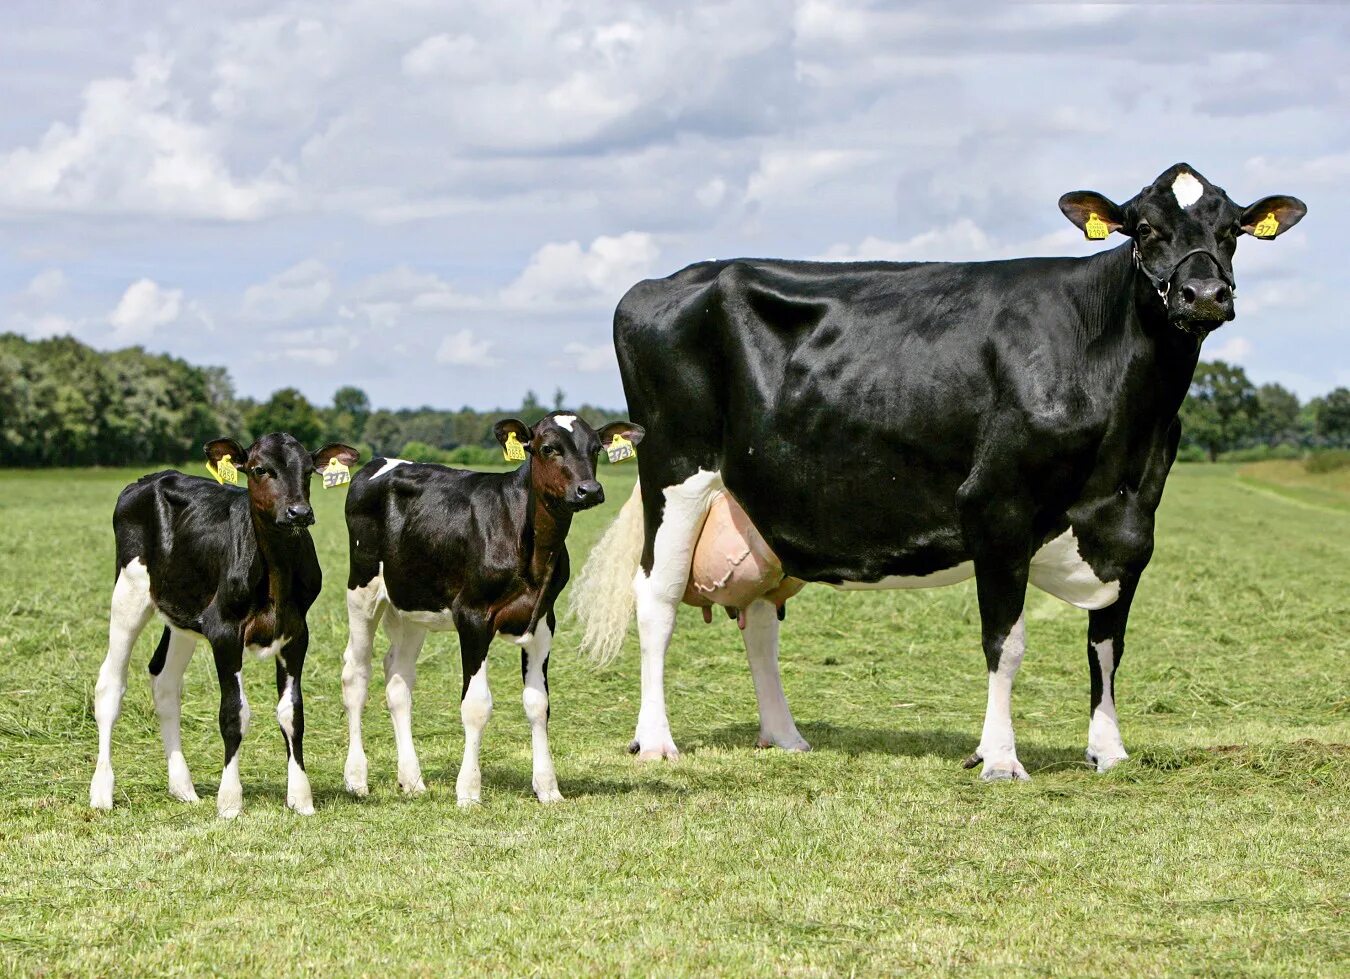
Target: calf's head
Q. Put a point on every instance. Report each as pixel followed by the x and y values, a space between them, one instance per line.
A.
pixel 563 450
pixel 1185 231
pixel 278 469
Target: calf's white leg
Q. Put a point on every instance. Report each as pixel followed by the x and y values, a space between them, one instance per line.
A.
pixel 130 611
pixel 166 687
pixel 400 673
pixel 364 609
pixel 535 698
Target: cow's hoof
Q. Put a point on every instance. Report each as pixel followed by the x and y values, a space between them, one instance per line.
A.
pixel 657 751
pixel 789 742
pixel 469 801
pixel 1007 770
pixel 229 809
pixel 184 792
pixel 354 776
pixel 301 807
pixel 101 792
pixel 548 795
pixel 359 789
pixel 1106 760
pixel 412 786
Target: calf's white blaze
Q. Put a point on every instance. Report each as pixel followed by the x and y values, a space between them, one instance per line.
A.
pixel 565 421
pixel 1105 747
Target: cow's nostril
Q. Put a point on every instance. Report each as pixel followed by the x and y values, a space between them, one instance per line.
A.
pixel 1222 294
pixel 1188 294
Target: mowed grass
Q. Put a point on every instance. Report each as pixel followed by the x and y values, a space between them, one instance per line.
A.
pixel 1291 479
pixel 1219 848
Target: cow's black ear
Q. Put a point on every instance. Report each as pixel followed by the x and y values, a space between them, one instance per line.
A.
pixel 507 427
pixel 1096 216
pixel 1271 217
pixel 633 433
pixel 218 449
pixel 344 454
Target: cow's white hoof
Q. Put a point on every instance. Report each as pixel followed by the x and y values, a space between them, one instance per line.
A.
pixel 354 776
pixel 301 807
pixel 787 742
pixel 184 791
pixel 1106 759
pixel 469 801
pixel 412 785
pixel 1004 770
pixel 655 749
pixel 359 789
pixel 101 790
pixel 229 802
pixel 547 792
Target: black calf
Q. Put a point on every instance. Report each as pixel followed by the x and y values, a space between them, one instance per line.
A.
pixel 237 568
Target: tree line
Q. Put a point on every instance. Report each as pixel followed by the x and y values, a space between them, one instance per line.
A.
pixel 62 403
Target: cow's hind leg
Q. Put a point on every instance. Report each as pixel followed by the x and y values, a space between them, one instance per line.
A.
pixel 534 674
pixel 1106 644
pixel 130 611
pixel 776 726
pixel 364 610
pixel 1001 584
pixel 659 593
pixel 167 667
pixel 400 673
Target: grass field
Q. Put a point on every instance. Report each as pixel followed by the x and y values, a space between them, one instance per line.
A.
pixel 1221 847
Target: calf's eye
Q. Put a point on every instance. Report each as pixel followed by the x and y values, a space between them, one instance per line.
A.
pixel 1143 229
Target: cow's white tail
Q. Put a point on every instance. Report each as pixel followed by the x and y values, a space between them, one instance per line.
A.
pixel 602 597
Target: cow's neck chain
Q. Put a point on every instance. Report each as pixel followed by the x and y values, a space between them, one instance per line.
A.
pixel 1162 284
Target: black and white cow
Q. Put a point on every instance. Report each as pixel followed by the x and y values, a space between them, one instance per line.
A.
pixel 434 549
pixel 903 425
pixel 236 568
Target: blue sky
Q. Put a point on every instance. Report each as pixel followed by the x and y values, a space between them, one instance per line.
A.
pixel 441 202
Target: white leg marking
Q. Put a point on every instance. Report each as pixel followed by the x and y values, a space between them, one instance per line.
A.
pixel 998 748
pixel 230 796
pixel 474 711
pixel 535 699
pixel 776 726
pixel 363 617
pixel 298 794
pixel 167 691
pixel 658 596
pixel 1105 748
pixel 130 611
pixel 400 673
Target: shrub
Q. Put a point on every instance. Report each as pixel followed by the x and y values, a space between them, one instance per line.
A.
pixel 1261 453
pixel 1327 460
pixel 421 452
pixel 474 455
pixel 1191 453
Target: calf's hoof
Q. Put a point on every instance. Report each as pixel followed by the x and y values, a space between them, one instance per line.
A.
pixel 548 794
pixel 101 791
pixel 1104 760
pixel 184 792
pixel 788 742
pixel 301 807
pixel 655 750
pixel 354 777
pixel 412 786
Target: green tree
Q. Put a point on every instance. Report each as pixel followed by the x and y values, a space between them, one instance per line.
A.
pixel 1277 411
pixel 1333 417
pixel 384 433
pixel 1220 409
pixel 288 411
pixel 349 414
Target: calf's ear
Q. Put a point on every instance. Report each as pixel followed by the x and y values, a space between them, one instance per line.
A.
pixel 344 454
pixel 218 449
pixel 507 427
pixel 633 433
pixel 1271 217
pixel 1094 215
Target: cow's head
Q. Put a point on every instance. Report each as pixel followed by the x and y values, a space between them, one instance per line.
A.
pixel 563 450
pixel 278 469
pixel 1185 231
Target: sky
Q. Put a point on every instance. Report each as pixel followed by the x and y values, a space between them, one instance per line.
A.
pixel 441 202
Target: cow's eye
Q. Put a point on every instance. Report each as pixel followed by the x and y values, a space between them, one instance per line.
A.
pixel 548 450
pixel 1143 229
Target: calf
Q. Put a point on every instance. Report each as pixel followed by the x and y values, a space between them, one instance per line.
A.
pixel 237 568
pixel 434 549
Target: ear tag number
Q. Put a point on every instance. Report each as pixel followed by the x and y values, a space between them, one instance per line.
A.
pixel 513 450
pixel 1267 227
pixel 620 449
pixel 224 471
pixel 1096 229
pixel 335 474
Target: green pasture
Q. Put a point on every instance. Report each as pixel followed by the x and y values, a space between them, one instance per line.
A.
pixel 1220 848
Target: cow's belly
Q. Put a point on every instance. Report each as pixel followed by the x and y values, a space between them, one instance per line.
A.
pixel 947 576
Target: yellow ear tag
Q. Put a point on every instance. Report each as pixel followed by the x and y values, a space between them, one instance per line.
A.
pixel 1267 227
pixel 620 449
pixel 224 472
pixel 513 450
pixel 1096 229
pixel 335 474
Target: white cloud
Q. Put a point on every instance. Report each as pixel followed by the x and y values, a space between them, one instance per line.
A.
pixel 464 349
pixel 40 326
pixel 144 308
pixel 961 241
pixel 301 290
pixel 46 286
pixel 135 150
pixel 1235 350
pixel 443 55
pixel 589 360
pixel 565 274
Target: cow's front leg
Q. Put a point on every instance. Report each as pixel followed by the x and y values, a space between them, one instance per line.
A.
pixel 534 674
pixel 291 717
pixel 1106 644
pixel 1002 593
pixel 234 718
pixel 475 707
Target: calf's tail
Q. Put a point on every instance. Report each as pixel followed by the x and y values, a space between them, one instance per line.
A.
pixel 602 597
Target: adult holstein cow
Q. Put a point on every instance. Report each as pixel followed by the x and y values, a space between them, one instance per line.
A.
pixel 903 425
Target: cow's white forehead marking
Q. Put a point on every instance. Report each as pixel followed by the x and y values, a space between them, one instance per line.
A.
pixel 1187 189
pixel 565 420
